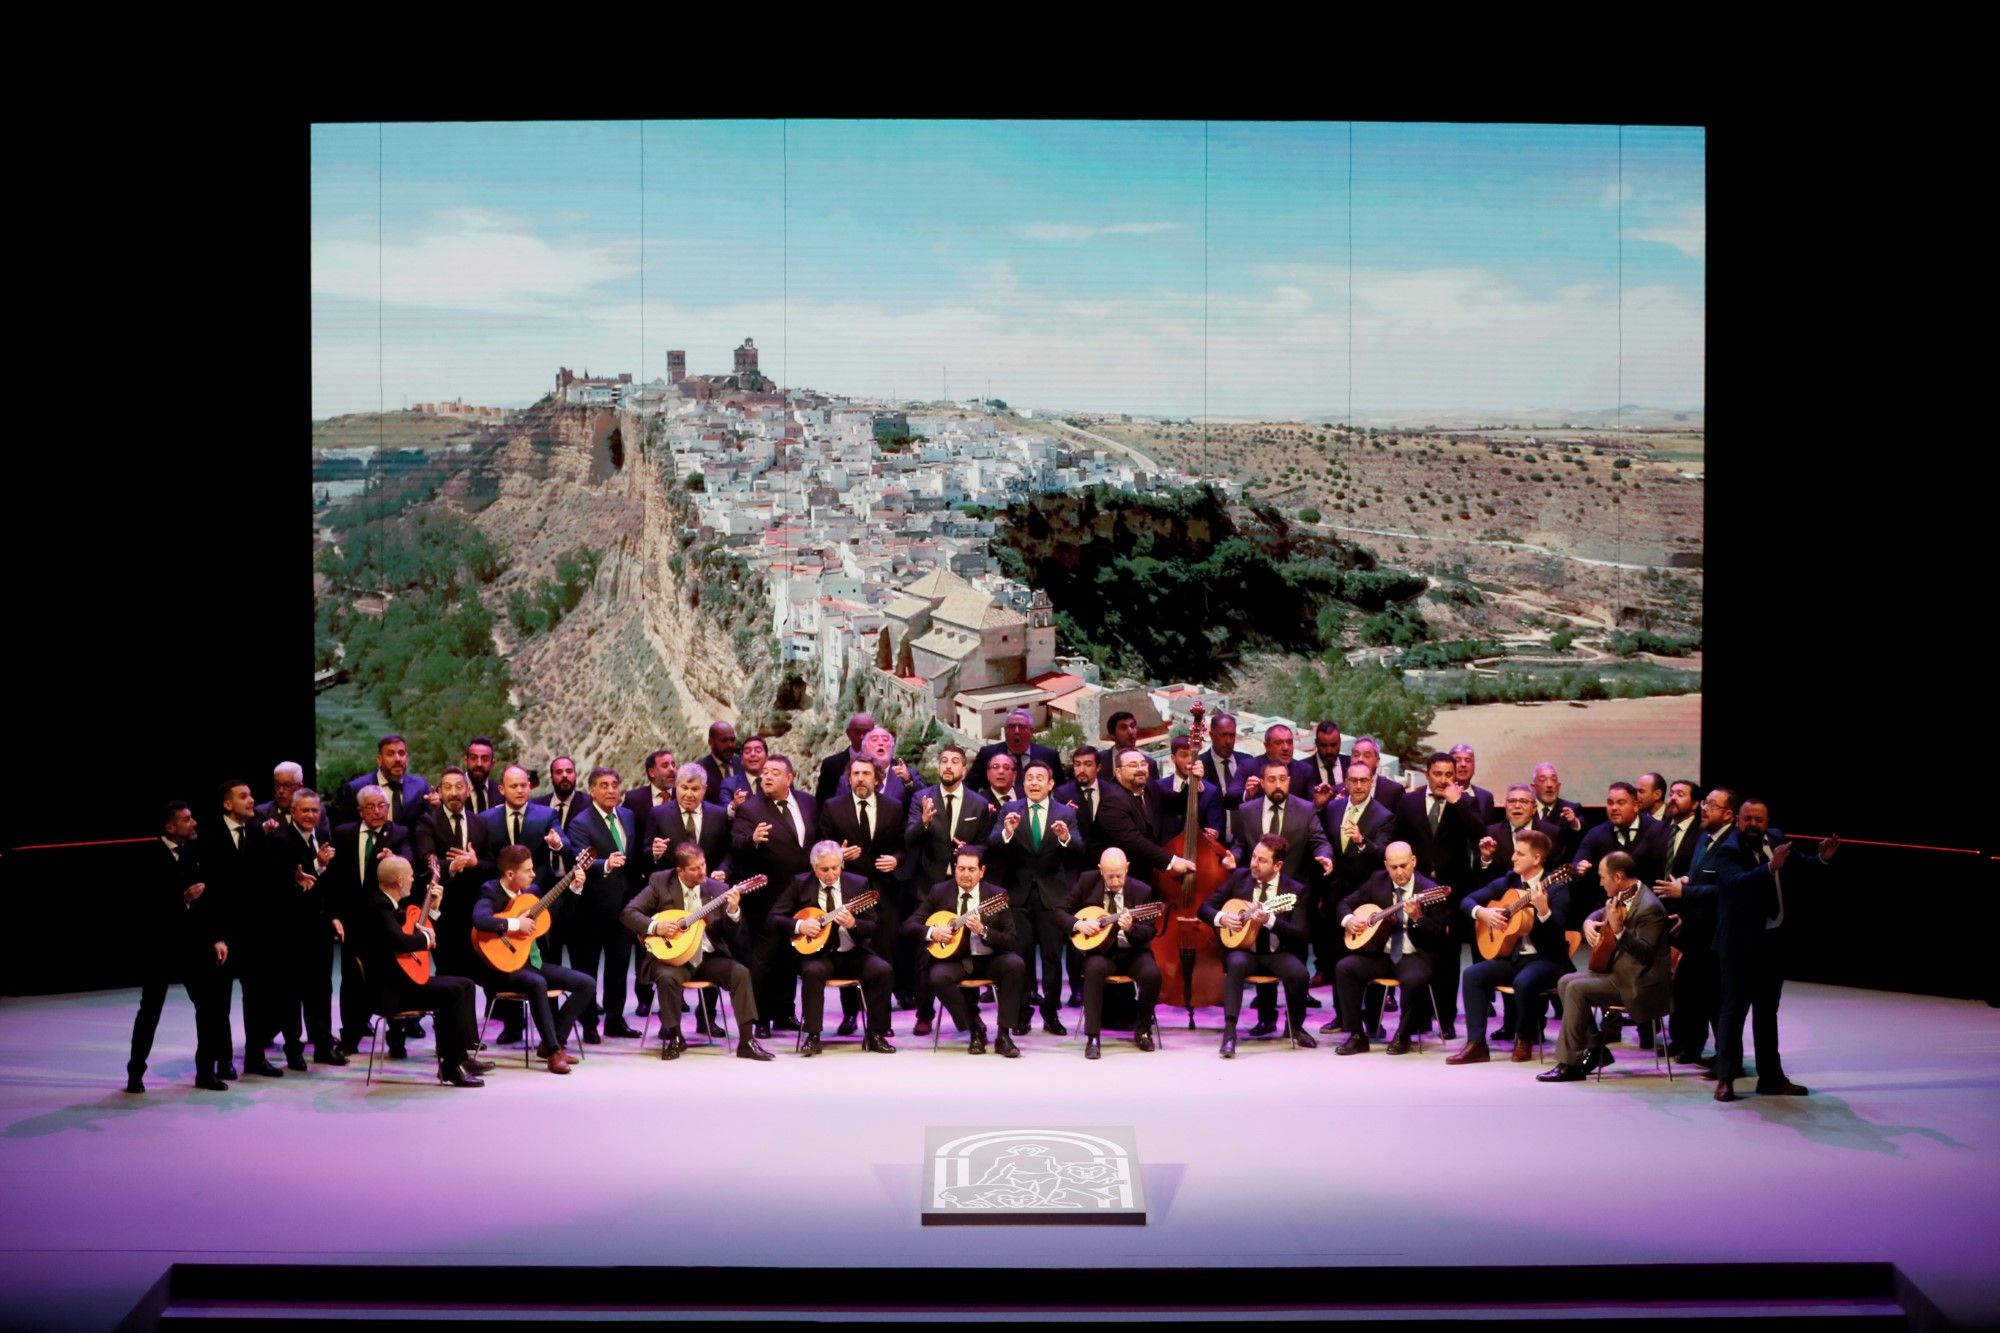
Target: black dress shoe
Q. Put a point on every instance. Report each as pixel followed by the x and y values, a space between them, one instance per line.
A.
pixel 748 1049
pixel 672 1047
pixel 1054 1026
pixel 458 1078
pixel 1448 1031
pixel 1597 1058
pixel 331 1055
pixel 620 1029
pixel 226 1073
pixel 1143 1038
pixel 1003 1045
pixel 785 1024
pixel 133 1083
pixel 1331 1026
pixel 1400 1046
pixel 1561 1074
pixel 1724 1091
pixel 347 1048
pixel 397 1051
pixel 1356 1044
pixel 509 1037
pixel 1265 1027
pixel 877 1043
pixel 472 1066
pixel 761 1030
pixel 1780 1088
pixel 296 1063
pixel 590 1037
pixel 976 1044
pixel 1022 1028
pixel 1312 1002
pixel 263 1069
pixel 206 1082
pixel 1301 1037
pixel 1090 1049
pixel 1229 1044
pixel 922 1029
pixel 848 1026
pixel 810 1046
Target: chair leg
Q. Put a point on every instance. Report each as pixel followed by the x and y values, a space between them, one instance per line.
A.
pixel 374 1040
pixel 723 1012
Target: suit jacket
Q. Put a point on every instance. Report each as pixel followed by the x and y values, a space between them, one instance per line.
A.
pixel 930 849
pixel 1642 964
pixel 1502 834
pixel 405 804
pixel 378 937
pixel 717 775
pixel 564 812
pixel 803 891
pixel 1003 930
pixel 1314 775
pixel 891 786
pixel 1546 936
pixel 1089 892
pixel 1134 830
pixel 664 892
pixel 1232 790
pixel 1173 811
pixel 1446 856
pixel 349 876
pixel 831 770
pixel 838 821
pixel 304 911
pixel 1036 877
pixel 783 857
pixel 240 886
pixel 485 795
pixel 667 821
pixel 1351 868
pixel 1747 893
pixel 1069 794
pixel 640 802
pixel 1484 800
pixel 187 932
pixel 975 776
pixel 1289 929
pixel 1305 837
pixel 431 836
pixel 1431 931
pixel 1649 849
pixel 1700 896
pixel 604 889
pixel 1566 847
pixel 1389 792
pixel 1682 857
pixel 536 821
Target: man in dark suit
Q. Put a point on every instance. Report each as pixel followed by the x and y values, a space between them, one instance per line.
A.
pixel 986 949
pixel 537 976
pixel 1624 830
pixel 1270 807
pixel 721 762
pixel 1327 770
pixel 1035 851
pixel 868 828
pixel 1641 975
pixel 1405 948
pixel 406 790
pixel 1124 735
pixel 656 794
pixel 300 853
pixel 482 792
pixel 894 780
pixel 1540 959
pixel 381 936
pixel 456 839
pixel 187 940
pixel 1651 789
pixel 1693 893
pixel 1172 791
pixel 1517 816
pixel 1468 764
pixel 740 786
pixel 771 834
pixel 358 850
pixel 1130 820
pixel 1083 793
pixel 1750 867
pixel 1680 816
pixel 1278 946
pixel 689 817
pixel 1220 762
pixel 940 821
pixel 724 942
pixel 598 944
pixel 834 767
pixel 518 821
pixel 1388 790
pixel 1443 829
pixel 1357 831
pixel 286 778
pixel 1015 731
pixel 847 957
pixel 1127 953
pixel 236 864
pixel 1551 808
pixel 565 801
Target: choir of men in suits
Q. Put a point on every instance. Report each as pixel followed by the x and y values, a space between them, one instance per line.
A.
pixel 537 975
pixel 1443 829
pixel 1641 975
pixel 1277 946
pixel 186 938
pixel 725 943
pixel 771 834
pixel 597 943
pixel 986 950
pixel 849 956
pixel 1539 961
pixel 1128 953
pixel 1404 948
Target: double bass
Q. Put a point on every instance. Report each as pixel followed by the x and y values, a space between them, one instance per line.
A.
pixel 1188 952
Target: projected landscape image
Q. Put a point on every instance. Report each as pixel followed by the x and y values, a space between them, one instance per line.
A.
pixel 621 428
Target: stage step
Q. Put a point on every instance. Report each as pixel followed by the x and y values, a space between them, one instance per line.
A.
pixel 1850 1295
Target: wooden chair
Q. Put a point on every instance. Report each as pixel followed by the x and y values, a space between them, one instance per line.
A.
pixel 696 986
pixel 832 983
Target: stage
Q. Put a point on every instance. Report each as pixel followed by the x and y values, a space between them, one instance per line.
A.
pixel 1279 1157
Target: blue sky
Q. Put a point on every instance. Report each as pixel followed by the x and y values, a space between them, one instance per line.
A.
pixel 1272 269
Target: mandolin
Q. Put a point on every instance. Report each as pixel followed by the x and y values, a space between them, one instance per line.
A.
pixel 1143 912
pixel 1246 933
pixel 688 943
pixel 1502 941
pixel 860 902
pixel 1361 932
pixel 509 952
pixel 957 924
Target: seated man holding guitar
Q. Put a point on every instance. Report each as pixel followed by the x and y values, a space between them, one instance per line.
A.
pixel 1631 964
pixel 1394 923
pixel 821 901
pixel 1518 930
pixel 508 917
pixel 1261 917
pixel 660 917
pixel 1111 920
pixel 971 931
pixel 384 942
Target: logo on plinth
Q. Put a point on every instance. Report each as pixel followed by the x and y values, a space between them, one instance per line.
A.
pixel 983 1176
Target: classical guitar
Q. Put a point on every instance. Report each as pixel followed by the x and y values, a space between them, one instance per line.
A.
pixel 957 924
pixel 1246 933
pixel 688 943
pixel 1367 928
pixel 1607 938
pixel 1501 941
pixel 509 952
pixel 1143 912
pixel 417 966
pixel 860 902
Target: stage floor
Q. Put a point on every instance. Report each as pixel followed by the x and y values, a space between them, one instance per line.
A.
pixel 713 1160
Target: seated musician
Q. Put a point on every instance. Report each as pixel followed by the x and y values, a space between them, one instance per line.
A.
pixel 724 942
pixel 849 956
pixel 1277 949
pixel 1538 962
pixel 985 949
pixel 380 938
pixel 517 876
pixel 1129 953
pixel 1641 976
pixel 1402 949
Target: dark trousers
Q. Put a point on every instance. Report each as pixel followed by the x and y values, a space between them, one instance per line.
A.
pixel 857 964
pixel 1043 942
pixel 1353 974
pixel 1100 964
pixel 888 938
pixel 354 998
pixel 1697 1001
pixel 208 990
pixel 270 999
pixel 1005 970
pixel 1288 968
pixel 552 1024
pixel 1751 987
pixel 774 971
pixel 601 947
pixel 1532 978
pixel 451 1000
pixel 1444 972
pixel 719 969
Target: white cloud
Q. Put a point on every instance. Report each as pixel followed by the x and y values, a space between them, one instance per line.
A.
pixel 1076 231
pixel 465 259
pixel 1614 194
pixel 1689 235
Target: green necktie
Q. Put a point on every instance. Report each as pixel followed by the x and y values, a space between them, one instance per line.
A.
pixel 1035 827
pixel 617 831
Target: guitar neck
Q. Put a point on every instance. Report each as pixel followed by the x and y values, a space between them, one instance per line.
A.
pixel 547 900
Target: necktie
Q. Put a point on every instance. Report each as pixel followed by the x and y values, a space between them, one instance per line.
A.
pixel 1396 936
pixel 964 901
pixel 367 852
pixel 1223 766
pixel 951 816
pixel 693 822
pixel 514 818
pixel 1437 812
pixel 1035 826
pixel 617 830
pixel 457 833
pixel 784 809
pixel 1263 896
pixel 239 839
pixel 1090 803
pixel 867 824
pixel 1274 819
pixel 1674 847
pixel 1625 837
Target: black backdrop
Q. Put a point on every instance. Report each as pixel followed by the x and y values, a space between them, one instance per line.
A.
pixel 160 548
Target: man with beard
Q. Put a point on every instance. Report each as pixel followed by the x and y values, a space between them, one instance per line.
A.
pixel 1693 893
pixel 1277 946
pixel 456 839
pixel 721 762
pixel 770 835
pixel 303 939
pixel 189 943
pixel 1083 793
pixel 868 828
pixel 406 790
pixel 482 792
pixel 519 822
pixel 944 818
pixel 834 767
pixel 1640 978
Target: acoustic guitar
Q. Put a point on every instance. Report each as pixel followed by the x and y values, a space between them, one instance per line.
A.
pixel 1501 941
pixel 957 924
pixel 1607 939
pixel 860 902
pixel 688 943
pixel 1143 912
pixel 509 952
pixel 417 966
pixel 1246 933
pixel 1367 929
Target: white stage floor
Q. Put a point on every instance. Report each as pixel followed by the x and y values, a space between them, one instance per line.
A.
pixel 1895 1156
